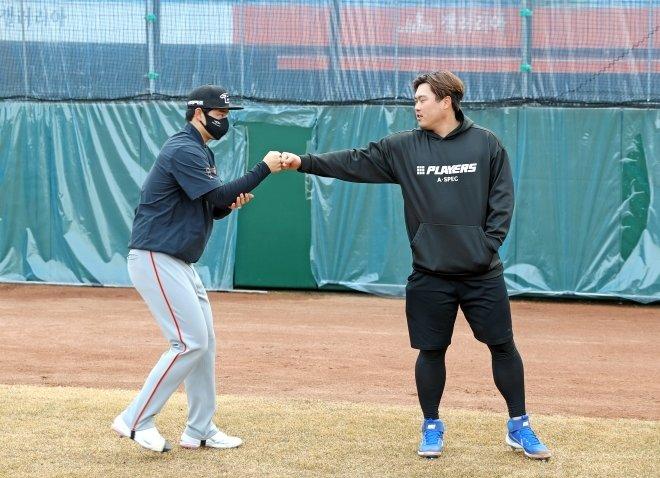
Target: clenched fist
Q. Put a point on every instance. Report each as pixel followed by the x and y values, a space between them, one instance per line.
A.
pixel 290 161
pixel 273 160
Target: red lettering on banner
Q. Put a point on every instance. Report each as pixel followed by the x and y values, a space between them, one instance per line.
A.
pixel 450 27
pixel 571 28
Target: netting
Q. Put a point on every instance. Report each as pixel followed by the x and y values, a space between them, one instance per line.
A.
pixel 331 51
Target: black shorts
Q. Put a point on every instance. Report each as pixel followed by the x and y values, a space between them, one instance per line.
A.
pixel 432 303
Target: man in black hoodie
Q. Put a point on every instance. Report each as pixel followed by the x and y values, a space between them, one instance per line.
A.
pixel 458 197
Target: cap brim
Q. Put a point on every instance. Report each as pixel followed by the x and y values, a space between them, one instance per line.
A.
pixel 218 107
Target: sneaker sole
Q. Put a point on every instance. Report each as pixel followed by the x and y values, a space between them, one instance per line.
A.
pixel 190 446
pixel 167 448
pixel 429 454
pixel 518 448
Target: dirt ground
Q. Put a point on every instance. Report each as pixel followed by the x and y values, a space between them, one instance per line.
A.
pixel 586 359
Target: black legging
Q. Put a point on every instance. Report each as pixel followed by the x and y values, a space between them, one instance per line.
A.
pixel 430 375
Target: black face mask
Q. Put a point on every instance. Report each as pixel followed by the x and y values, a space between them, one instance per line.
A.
pixel 217 128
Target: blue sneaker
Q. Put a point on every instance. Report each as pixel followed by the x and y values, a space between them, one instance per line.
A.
pixel 432 441
pixel 522 437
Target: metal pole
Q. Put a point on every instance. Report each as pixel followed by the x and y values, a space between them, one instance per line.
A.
pixel 648 53
pixel 526 45
pixel 26 83
pixel 151 18
pixel 335 47
pixel 242 25
pixel 156 40
pixel 397 63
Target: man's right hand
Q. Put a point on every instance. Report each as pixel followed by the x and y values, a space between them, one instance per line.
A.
pixel 274 161
pixel 290 161
pixel 241 200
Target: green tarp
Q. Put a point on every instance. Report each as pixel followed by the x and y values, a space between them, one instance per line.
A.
pixel 70 175
pixel 586 220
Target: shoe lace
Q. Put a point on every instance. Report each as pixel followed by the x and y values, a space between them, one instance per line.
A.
pixel 432 436
pixel 527 434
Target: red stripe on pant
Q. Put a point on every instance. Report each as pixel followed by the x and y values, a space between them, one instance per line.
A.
pixel 169 307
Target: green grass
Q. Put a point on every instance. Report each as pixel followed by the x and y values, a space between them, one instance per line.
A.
pixel 65 432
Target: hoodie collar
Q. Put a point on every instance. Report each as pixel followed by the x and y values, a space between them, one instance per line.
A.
pixel 465 124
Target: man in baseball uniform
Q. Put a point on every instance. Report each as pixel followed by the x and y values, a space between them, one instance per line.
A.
pixel 458 195
pixel 180 198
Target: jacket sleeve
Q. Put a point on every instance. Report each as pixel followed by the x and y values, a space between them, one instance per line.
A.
pixel 500 200
pixel 224 195
pixel 372 164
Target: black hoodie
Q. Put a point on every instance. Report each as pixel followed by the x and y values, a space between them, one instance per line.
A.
pixel 457 192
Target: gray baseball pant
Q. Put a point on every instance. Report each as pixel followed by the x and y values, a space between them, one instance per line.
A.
pixel 178 301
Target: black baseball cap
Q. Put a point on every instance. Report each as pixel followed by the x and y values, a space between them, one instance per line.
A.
pixel 210 97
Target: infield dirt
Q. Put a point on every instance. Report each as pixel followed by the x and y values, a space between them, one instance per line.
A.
pixel 584 359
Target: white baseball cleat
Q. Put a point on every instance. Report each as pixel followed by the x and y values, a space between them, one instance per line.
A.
pixel 219 440
pixel 149 438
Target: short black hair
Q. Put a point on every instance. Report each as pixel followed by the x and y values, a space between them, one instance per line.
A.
pixel 443 83
pixel 190 111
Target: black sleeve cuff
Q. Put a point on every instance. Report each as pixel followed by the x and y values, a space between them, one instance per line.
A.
pixel 305 163
pixel 493 243
pixel 261 169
